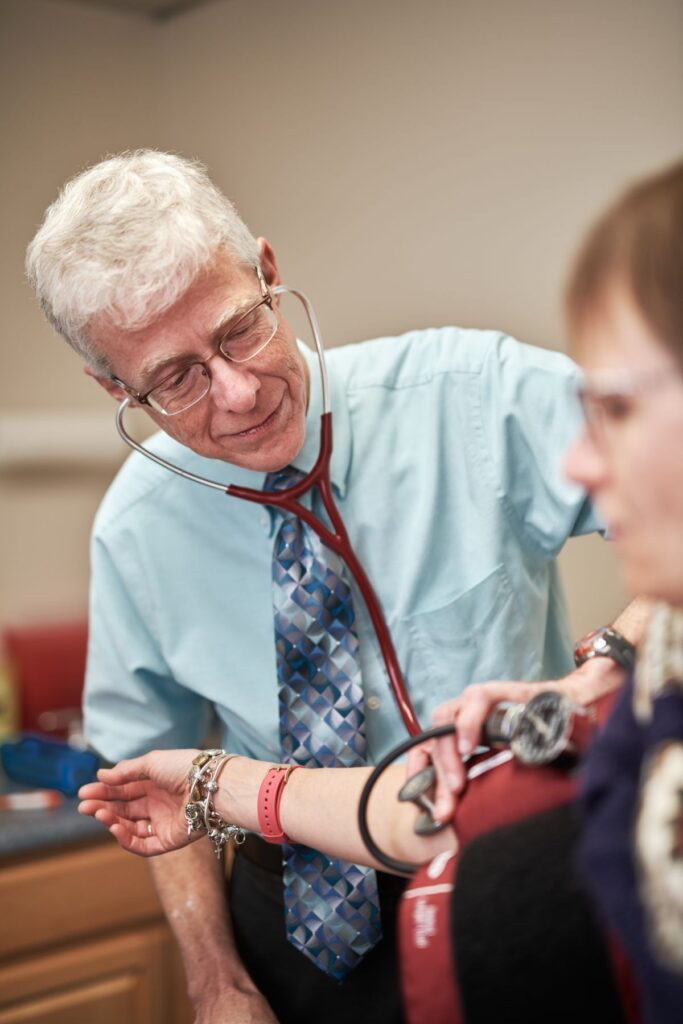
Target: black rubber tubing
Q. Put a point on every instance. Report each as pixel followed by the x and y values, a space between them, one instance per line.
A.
pixel 402 867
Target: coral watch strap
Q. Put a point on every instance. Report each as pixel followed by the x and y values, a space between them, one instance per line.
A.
pixel 268 805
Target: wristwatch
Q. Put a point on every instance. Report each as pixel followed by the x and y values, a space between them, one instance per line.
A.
pixel 605 642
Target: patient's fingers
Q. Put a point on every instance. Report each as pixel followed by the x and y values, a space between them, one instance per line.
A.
pixel 107 817
pixel 125 771
pixel 168 769
pixel 102 791
pixel 133 810
pixel 143 845
pixel 139 828
pixel 137 836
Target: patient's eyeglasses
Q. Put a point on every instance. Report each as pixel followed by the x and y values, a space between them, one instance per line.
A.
pixel 610 397
pixel 187 385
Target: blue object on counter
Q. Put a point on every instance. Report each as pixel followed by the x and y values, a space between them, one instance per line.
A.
pixel 40 761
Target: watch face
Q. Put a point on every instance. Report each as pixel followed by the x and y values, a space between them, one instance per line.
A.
pixel 543 729
pixel 605 642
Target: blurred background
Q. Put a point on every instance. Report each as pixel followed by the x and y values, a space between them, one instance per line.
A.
pixel 413 164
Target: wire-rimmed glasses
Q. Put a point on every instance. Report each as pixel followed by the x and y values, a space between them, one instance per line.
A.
pixel 187 385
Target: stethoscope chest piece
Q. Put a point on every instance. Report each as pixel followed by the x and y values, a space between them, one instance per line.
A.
pixel 415 791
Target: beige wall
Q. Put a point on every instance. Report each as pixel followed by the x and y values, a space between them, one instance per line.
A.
pixel 74 84
pixel 413 163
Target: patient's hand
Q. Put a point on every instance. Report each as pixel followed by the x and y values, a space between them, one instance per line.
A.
pixel 142 801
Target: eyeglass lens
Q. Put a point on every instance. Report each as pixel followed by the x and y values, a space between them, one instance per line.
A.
pixel 188 386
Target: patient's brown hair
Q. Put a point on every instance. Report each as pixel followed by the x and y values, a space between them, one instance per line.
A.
pixel 636 245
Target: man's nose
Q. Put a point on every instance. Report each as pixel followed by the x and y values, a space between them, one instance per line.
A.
pixel 584 463
pixel 233 387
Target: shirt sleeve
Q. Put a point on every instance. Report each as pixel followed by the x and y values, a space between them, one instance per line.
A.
pixel 531 415
pixel 131 703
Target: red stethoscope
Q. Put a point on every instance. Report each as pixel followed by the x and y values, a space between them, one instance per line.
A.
pixel 336 537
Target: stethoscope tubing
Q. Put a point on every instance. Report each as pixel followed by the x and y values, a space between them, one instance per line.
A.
pixel 399 866
pixel 336 538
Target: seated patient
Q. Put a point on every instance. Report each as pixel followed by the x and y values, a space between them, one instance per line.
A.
pixel 627 326
pixel 625 305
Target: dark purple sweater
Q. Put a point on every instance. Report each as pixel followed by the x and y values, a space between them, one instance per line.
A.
pixel 610 794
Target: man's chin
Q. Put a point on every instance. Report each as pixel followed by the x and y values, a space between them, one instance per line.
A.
pixel 266 459
pixel 272 462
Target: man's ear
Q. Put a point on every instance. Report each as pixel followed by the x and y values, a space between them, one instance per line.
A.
pixel 269 267
pixel 117 393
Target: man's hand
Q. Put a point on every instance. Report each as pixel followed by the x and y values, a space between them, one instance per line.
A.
pixel 234 1004
pixel 142 801
pixel 469 711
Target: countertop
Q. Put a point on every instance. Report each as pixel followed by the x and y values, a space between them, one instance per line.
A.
pixel 23 832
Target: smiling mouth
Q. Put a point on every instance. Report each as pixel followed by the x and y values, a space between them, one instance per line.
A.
pixel 259 427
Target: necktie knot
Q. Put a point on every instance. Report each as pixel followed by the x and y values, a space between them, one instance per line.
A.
pixel 281 479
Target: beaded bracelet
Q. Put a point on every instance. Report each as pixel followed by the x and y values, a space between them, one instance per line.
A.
pixel 200 814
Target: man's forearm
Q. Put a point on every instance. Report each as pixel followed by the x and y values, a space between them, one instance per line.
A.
pixel 191 887
pixel 633 620
pixel 599 676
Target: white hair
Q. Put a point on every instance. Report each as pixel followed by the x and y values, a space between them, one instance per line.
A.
pixel 125 239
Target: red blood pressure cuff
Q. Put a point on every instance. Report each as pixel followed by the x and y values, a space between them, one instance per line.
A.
pixel 503 930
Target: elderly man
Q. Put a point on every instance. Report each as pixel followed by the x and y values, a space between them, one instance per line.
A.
pixel 446 471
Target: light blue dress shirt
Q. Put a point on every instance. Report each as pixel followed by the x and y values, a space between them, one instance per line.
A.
pixel 446 470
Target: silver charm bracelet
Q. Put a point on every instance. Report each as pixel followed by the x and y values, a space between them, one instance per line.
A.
pixel 200 814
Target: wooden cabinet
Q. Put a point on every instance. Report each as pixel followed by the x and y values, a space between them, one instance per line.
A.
pixel 83 941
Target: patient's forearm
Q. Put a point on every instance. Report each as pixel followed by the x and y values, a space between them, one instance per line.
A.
pixel 319 808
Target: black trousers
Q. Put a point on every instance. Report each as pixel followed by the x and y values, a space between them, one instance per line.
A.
pixel 299 992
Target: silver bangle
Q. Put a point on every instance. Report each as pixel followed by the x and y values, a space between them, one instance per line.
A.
pixel 200 814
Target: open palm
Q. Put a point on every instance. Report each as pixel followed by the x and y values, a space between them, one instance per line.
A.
pixel 142 801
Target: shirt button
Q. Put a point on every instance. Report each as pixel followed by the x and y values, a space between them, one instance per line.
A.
pixel 373 703
pixel 264 521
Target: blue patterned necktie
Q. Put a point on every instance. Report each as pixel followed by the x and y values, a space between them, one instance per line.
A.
pixel 331 906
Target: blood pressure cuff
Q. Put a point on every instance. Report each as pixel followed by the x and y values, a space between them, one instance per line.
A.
pixel 502 931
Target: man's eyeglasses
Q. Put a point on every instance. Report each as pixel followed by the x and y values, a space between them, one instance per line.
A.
pixel 608 397
pixel 187 385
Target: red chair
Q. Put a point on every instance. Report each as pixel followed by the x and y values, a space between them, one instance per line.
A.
pixel 47 664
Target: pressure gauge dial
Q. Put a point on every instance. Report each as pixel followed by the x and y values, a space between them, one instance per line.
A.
pixel 543 729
